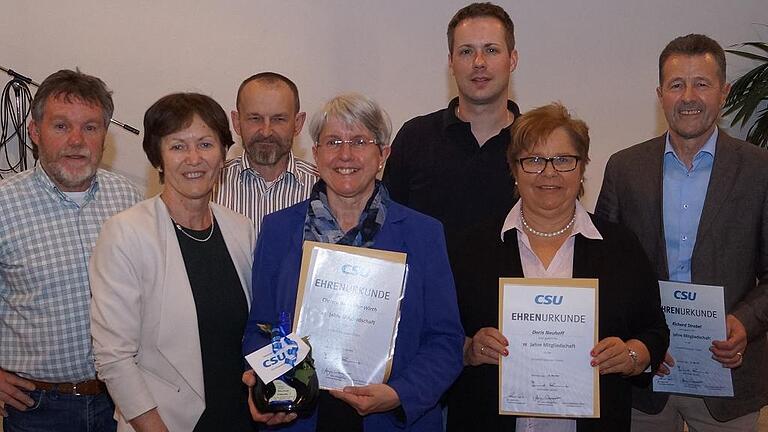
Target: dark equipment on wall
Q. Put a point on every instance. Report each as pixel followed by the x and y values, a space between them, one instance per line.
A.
pixel 15 105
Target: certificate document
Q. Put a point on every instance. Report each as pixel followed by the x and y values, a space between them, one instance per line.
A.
pixel 348 305
pixel 551 326
pixel 695 316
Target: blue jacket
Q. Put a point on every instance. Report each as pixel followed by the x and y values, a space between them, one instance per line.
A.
pixel 428 349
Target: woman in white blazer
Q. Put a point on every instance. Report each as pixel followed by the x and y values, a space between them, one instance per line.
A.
pixel 171 283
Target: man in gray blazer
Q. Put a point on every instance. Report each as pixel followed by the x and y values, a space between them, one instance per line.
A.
pixel 698 201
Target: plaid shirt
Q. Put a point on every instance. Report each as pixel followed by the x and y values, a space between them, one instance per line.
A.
pixel 45 243
pixel 243 190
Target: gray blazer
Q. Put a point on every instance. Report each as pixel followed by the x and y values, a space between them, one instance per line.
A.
pixel 731 248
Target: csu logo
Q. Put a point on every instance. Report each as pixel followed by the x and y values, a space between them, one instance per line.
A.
pixel 548 299
pixel 684 295
pixel 275 359
pixel 355 270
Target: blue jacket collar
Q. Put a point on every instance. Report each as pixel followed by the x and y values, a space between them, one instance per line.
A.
pixel 389 238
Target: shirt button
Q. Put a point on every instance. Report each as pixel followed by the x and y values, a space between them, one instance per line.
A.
pixel 685 206
pixel 684 237
pixel 682 267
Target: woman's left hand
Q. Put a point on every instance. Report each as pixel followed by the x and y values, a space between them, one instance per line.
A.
pixel 369 399
pixel 611 355
pixel 270 419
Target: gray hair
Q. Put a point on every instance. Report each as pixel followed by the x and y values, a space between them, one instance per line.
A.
pixel 352 109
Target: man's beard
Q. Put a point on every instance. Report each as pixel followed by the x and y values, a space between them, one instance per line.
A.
pixel 70 178
pixel 266 150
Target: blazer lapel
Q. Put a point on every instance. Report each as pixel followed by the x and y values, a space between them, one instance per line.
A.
pixel 391 237
pixel 584 255
pixel 721 182
pixel 509 261
pixel 654 164
pixel 297 237
pixel 240 250
pixel 178 338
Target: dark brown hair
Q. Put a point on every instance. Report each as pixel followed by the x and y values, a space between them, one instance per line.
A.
pixel 693 45
pixel 476 10
pixel 175 112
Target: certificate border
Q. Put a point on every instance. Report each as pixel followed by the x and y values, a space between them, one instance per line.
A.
pixel 721 305
pixel 396 257
pixel 561 283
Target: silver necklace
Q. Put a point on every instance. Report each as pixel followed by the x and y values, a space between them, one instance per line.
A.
pixel 210 234
pixel 546 234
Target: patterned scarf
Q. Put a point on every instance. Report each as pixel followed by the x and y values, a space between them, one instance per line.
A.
pixel 321 226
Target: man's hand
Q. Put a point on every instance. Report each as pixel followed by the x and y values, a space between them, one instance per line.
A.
pixel 12 389
pixel 270 419
pixel 369 399
pixel 730 352
pixel 664 367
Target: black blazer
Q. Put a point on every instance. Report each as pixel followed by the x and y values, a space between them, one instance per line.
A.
pixel 629 308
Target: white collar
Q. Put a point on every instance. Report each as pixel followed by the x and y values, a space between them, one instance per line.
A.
pixel 582 225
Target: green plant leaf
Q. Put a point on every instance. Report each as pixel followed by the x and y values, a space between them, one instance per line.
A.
pixel 752 102
pixel 741 85
pixel 759 45
pixel 748 55
pixel 758 133
pixel 748 92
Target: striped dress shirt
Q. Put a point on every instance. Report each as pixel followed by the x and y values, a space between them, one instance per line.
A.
pixel 45 243
pixel 245 191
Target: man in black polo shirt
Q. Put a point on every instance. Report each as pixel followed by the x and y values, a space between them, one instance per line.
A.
pixel 451 164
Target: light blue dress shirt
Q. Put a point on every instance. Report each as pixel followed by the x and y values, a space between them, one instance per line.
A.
pixel 684 194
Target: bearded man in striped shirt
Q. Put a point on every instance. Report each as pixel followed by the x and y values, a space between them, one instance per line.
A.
pixel 267 177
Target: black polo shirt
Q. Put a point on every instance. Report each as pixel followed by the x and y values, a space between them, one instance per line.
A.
pixel 438 168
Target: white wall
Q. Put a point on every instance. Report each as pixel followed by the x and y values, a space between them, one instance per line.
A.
pixel 596 56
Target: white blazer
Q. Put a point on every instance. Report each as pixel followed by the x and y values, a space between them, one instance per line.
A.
pixel 143 316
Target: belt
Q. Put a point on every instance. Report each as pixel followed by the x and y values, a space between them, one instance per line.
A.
pixel 86 388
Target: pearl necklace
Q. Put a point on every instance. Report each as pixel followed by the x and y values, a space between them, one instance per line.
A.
pixel 210 234
pixel 546 234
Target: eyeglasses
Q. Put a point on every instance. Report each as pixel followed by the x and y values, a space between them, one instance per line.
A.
pixel 354 143
pixel 537 164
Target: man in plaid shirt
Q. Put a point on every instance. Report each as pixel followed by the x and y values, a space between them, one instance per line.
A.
pixel 51 219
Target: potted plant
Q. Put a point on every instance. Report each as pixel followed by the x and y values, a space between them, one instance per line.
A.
pixel 749 91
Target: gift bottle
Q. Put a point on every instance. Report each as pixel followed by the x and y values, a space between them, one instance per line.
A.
pixel 296 390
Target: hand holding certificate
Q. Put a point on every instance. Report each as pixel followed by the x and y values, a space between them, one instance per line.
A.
pixel 696 317
pixel 551 326
pixel 348 305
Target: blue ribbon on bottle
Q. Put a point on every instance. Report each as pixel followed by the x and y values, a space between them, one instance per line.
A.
pixel 280 338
